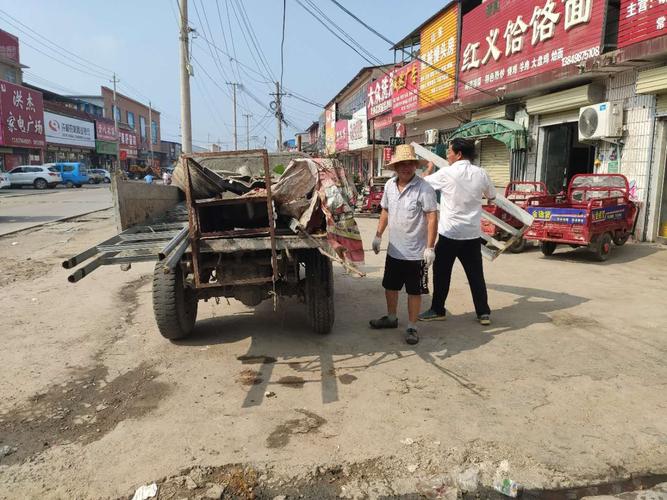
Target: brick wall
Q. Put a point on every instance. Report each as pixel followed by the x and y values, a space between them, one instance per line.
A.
pixel 126 104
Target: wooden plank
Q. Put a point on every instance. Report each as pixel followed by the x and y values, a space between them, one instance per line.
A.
pixel 500 223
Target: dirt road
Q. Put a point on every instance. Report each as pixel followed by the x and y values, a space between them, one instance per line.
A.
pixel 565 388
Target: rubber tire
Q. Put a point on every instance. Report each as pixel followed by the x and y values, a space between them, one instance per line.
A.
pixel 319 292
pixel 174 307
pixel 621 240
pixel 78 185
pixel 602 247
pixel 518 246
pixel 69 184
pixel 107 180
pixel 91 181
pixel 40 184
pixel 548 248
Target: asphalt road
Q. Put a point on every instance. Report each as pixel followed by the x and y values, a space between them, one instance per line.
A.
pixel 25 208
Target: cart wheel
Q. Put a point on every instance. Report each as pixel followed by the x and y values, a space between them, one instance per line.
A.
pixel 518 246
pixel 602 247
pixel 319 292
pixel 548 247
pixel 621 239
pixel 174 306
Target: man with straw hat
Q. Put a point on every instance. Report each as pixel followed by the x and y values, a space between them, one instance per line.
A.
pixel 409 209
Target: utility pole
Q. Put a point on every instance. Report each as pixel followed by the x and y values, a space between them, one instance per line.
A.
pixel 279 115
pixel 150 127
pixel 247 130
pixel 114 107
pixel 234 85
pixel 186 71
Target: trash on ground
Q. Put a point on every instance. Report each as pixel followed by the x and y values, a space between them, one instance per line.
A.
pixel 145 491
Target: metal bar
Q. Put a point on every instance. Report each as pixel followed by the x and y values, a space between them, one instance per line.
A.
pixel 193 224
pixel 174 257
pixel 247 281
pixel 238 233
pixel 272 226
pixel 500 223
pixel 130 259
pixel 84 271
pixel 161 235
pixel 514 210
pixel 492 240
pixel 180 236
pixel 123 246
pixel 489 254
pixel 87 254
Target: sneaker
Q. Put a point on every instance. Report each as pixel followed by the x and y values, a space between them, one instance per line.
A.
pixel 484 319
pixel 383 322
pixel 431 315
pixel 411 336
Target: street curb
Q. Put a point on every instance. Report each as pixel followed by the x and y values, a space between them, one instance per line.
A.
pixel 62 219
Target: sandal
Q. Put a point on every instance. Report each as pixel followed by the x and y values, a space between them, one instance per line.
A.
pixel 383 322
pixel 411 336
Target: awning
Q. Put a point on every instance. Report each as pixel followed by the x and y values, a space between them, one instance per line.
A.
pixel 508 132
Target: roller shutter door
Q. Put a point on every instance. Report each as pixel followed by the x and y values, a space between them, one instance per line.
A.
pixel 495 159
pixel 661 104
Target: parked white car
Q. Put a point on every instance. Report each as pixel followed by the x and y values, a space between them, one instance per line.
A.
pixel 100 171
pixel 39 176
pixel 4 180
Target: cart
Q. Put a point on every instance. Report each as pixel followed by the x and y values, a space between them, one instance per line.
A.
pixel 518 192
pixel 229 247
pixel 596 212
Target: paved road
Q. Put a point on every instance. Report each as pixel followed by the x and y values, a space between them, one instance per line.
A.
pixel 25 208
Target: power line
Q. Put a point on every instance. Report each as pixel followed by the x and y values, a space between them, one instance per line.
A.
pixel 282 45
pixel 252 42
pixel 253 36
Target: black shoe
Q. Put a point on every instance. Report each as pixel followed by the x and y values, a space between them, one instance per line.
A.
pixel 383 322
pixel 411 336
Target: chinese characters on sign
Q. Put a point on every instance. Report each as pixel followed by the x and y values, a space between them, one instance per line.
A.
pixel 357 130
pixel 641 20
pixel 330 129
pixel 515 40
pixel 105 130
pixel 22 115
pixel 379 96
pixel 438 51
pixel 128 142
pixel 70 131
pixel 405 89
pixel 341 135
pixel 9 46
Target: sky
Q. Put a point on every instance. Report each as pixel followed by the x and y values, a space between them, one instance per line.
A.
pixel 75 46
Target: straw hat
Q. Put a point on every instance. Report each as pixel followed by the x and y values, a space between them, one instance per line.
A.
pixel 404 152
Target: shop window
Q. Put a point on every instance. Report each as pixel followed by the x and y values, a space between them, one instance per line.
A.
pixel 130 119
pixel 116 113
pixel 142 128
pixel 154 132
pixel 10 75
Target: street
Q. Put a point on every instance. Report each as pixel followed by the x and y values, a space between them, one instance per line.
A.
pixel 565 388
pixel 24 208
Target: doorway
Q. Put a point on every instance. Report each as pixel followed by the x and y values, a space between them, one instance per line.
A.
pixel 564 156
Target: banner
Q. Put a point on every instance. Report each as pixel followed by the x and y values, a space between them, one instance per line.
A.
pixel 641 20
pixel 405 89
pixel 378 99
pixel 357 130
pixel 62 129
pixel 505 40
pixel 105 130
pixel 341 135
pixel 437 80
pixel 21 115
pixel 330 129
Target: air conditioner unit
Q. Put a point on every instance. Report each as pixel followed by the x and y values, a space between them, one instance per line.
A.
pixel 431 136
pixel 600 121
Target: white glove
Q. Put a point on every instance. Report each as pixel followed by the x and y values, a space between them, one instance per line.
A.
pixel 429 257
pixel 376 244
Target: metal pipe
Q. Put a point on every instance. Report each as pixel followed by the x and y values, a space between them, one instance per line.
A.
pixel 87 254
pixel 174 257
pixel 84 271
pixel 173 243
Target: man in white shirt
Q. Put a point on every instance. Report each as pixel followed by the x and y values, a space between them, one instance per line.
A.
pixel 409 209
pixel 462 186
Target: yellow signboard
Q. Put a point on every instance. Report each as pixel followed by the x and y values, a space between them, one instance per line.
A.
pixel 439 46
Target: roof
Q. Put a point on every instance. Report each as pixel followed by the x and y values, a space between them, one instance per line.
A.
pixel 357 77
pixel 415 32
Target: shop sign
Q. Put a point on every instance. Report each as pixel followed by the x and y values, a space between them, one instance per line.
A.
pixel 341 135
pixel 70 131
pixel 330 133
pixel 106 148
pixel 438 48
pixel 381 122
pixel 387 154
pixel 122 155
pixel 357 130
pixel 405 89
pixel 9 46
pixel 128 143
pixel 105 130
pixel 22 115
pixel 504 40
pixel 378 99
pixel 396 141
pixel 400 129
pixel 641 20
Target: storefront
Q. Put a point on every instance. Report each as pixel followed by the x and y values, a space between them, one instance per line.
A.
pixel 106 144
pixel 68 138
pixel 22 138
pixel 129 154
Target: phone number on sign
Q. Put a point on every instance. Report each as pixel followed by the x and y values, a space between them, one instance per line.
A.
pixel 580 56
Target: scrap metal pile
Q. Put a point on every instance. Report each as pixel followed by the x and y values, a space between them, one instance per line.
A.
pixel 311 196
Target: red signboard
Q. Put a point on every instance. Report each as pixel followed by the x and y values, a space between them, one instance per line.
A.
pixel 641 20
pixel 405 89
pixel 387 154
pixel 105 130
pixel 379 96
pixel 9 46
pixel 22 116
pixel 382 121
pixel 128 142
pixel 341 135
pixel 507 40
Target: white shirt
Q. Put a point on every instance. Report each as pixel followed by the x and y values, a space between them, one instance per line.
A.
pixel 462 185
pixel 408 227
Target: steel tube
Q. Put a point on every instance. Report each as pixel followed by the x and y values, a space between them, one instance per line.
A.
pixel 169 247
pixel 84 271
pixel 174 257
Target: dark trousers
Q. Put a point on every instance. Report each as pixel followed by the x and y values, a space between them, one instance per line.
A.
pixel 470 254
